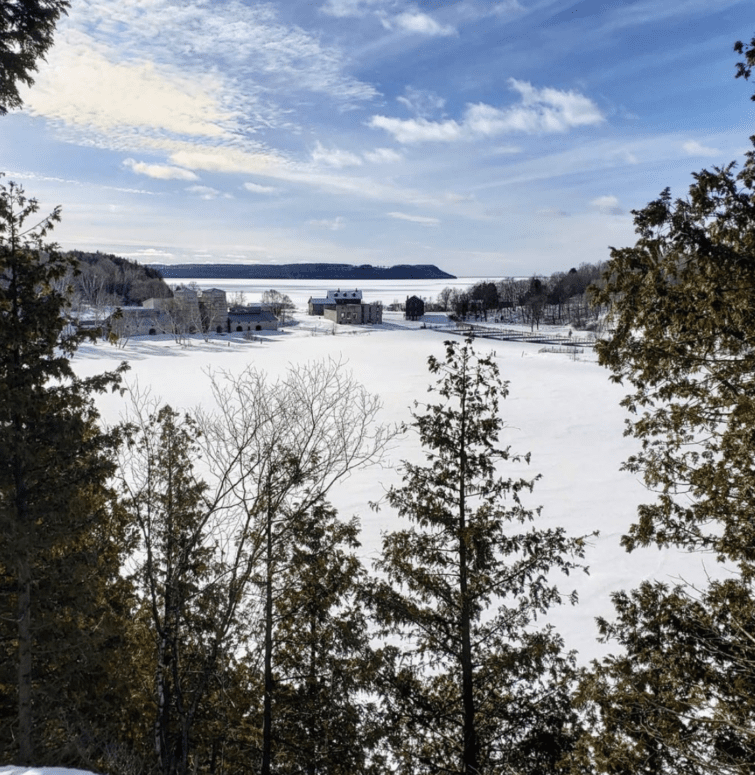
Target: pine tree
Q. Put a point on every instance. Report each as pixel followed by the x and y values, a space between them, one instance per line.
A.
pixel 26 33
pixel 323 662
pixel 190 576
pixel 475 689
pixel 63 538
pixel 682 338
pixel 677 697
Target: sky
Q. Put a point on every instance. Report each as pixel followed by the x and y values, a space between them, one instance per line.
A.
pixel 491 139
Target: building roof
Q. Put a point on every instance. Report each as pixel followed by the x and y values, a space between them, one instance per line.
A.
pixel 340 295
pixel 253 316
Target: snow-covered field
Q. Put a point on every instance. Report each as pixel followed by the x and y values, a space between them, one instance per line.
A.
pixel 564 411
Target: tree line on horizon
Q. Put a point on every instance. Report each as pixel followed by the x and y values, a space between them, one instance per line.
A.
pixel 178 595
pixel 563 298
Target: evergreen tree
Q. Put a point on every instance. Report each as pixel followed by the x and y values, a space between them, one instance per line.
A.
pixel 683 339
pixel 26 33
pixel 191 578
pixel 323 661
pixel 63 538
pixel 678 695
pixel 476 689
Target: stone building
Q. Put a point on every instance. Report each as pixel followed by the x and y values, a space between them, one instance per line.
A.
pixel 346 307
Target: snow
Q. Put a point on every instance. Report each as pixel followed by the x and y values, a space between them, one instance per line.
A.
pixel 565 412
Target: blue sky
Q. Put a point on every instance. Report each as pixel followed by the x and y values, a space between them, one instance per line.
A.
pixel 489 138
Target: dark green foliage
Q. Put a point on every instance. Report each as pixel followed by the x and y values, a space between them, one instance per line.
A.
pixel 475 688
pixel 324 666
pixel 683 338
pixel 26 33
pixel 679 697
pixel 63 537
pixel 744 69
pixel 190 588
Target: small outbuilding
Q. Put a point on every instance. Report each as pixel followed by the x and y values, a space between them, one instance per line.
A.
pixel 251 319
pixel 414 308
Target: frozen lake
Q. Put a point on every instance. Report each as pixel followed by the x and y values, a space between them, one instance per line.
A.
pixel 386 291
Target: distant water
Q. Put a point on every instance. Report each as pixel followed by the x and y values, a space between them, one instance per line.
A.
pixel 386 291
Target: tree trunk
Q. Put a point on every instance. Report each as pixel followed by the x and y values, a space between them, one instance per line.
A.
pixel 467 688
pixel 267 709
pixel 25 723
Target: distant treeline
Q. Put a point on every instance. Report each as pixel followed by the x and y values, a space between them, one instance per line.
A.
pixel 560 299
pixel 313 271
pixel 106 280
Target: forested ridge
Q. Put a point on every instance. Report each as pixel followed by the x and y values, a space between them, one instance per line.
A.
pixel 155 620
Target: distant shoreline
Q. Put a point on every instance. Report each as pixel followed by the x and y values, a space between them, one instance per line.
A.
pixel 318 271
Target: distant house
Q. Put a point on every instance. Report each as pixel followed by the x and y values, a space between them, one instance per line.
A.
pixel 139 321
pixel 251 319
pixel 315 306
pixel 414 308
pixel 346 307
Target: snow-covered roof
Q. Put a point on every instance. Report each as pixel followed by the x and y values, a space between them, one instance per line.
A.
pixel 340 295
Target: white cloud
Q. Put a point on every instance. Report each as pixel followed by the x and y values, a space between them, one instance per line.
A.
pixel 159 171
pixel 422 24
pixel 82 87
pixel 540 111
pixel 609 205
pixel 421 102
pixel 129 75
pixel 206 192
pixel 345 8
pixel 693 148
pixel 334 157
pixel 256 188
pixel 420 219
pixel 383 156
pixel 224 159
pixel 334 224
pixel 418 130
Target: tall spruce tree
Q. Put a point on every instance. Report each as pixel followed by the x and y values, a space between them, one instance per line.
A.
pixel 62 536
pixel 473 688
pixel 192 566
pixel 26 33
pixel 324 666
pixel 682 339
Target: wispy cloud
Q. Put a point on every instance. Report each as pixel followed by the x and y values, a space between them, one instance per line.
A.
pixel 335 157
pixel 383 156
pixel 608 205
pixel 420 219
pixel 207 192
pixel 539 111
pixel 421 24
pixel 159 171
pixel 256 188
pixel 346 8
pixel 421 102
pixel 694 148
pixel 129 75
pixel 332 224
